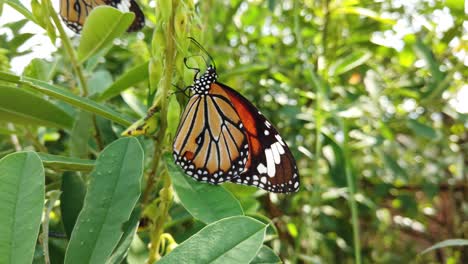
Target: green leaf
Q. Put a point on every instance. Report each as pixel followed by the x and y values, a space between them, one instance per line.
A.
pixel 421 129
pixel 71 200
pixel 232 240
pixel 393 165
pixel 23 107
pixel 8 77
pixel 57 162
pixel 435 86
pixel 349 62
pixel 38 69
pixel 112 193
pixel 21 203
pixel 173 113
pixel 457 5
pixel 107 134
pixel 130 229
pixel 335 160
pixel 77 101
pixel 18 6
pixel 138 251
pixel 98 82
pixel 447 243
pixel 102 26
pixel 129 78
pixel 80 134
pixel 271 5
pixel 366 13
pixel 204 201
pixel 266 256
pixel 17 41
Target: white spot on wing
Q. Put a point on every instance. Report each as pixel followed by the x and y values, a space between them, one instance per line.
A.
pixel 280 148
pixel 296 184
pixel 261 168
pixel 276 154
pixel 270 162
pixel 280 140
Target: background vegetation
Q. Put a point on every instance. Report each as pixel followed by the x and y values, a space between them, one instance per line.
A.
pixel 371 97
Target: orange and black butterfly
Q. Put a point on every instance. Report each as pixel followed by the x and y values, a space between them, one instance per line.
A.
pixel 223 137
pixel 75 12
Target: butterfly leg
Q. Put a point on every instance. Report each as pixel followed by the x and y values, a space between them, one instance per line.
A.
pixel 182 90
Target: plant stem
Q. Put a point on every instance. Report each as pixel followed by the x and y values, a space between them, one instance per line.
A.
pixel 352 193
pixel 54 196
pixel 161 103
pixel 158 225
pixel 70 51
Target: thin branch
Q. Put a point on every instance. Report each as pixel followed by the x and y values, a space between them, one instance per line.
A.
pixel 70 51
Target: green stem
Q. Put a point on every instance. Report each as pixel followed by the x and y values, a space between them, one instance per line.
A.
pixel 326 21
pixel 161 104
pixel 158 225
pixel 54 196
pixel 352 193
pixel 70 51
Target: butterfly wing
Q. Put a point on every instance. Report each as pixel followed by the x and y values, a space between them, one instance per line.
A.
pixel 270 164
pixel 75 12
pixel 139 21
pixel 126 6
pixel 210 144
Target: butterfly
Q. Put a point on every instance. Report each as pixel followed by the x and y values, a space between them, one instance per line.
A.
pixel 75 12
pixel 223 137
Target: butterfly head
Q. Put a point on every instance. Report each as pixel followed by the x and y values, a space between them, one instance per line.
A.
pixel 202 84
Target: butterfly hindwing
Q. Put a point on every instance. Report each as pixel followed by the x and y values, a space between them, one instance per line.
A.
pixel 75 12
pixel 270 165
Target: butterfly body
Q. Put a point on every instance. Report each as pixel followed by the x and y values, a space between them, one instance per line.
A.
pixel 223 137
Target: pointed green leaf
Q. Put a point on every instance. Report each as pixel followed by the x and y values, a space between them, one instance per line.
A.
pixel 129 78
pixel 102 26
pixel 349 62
pixel 232 240
pixel 204 201
pixel 23 107
pixel 75 100
pixel 98 82
pixel 447 243
pixel 365 12
pixel 80 134
pixel 71 200
pixel 421 129
pixel 130 229
pixel 266 255
pixel 18 6
pixel 57 162
pixel 21 203
pixel 112 193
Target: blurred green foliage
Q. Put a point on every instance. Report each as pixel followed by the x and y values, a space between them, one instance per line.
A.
pixel 366 89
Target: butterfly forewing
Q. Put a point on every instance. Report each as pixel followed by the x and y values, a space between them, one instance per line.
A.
pixel 210 143
pixel 270 165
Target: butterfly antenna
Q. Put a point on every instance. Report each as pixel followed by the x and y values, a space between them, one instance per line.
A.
pixel 204 51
